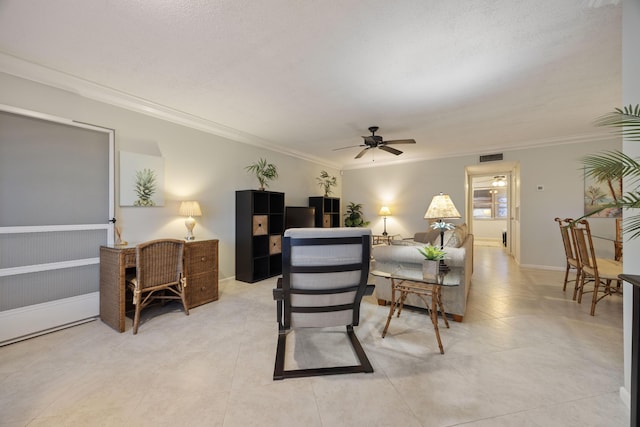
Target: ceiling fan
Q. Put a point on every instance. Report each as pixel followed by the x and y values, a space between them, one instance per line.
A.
pixel 376 141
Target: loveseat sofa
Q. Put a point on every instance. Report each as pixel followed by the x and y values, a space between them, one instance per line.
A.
pixel 458 244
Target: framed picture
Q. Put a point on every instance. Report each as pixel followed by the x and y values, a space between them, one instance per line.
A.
pixel 141 180
pixel 601 193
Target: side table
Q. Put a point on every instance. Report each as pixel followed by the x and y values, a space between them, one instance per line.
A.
pixel 405 282
pixel 380 239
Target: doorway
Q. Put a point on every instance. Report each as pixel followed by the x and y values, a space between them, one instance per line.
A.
pixel 56 199
pixel 492 201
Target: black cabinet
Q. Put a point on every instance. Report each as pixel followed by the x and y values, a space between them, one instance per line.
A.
pixel 327 211
pixel 259 227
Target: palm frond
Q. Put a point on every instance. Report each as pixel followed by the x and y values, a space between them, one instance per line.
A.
pixel 631 226
pixel 611 165
pixel 626 119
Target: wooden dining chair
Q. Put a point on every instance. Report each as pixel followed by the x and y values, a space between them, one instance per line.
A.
pixel 599 271
pixel 617 244
pixel 158 275
pixel 572 262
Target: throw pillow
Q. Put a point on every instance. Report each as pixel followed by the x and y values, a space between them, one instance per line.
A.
pixel 451 239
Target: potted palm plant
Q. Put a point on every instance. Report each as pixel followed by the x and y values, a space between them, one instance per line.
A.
pixel 264 172
pixel 612 167
pixel 326 182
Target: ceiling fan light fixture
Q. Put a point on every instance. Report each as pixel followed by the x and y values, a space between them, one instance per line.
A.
pixel 499 181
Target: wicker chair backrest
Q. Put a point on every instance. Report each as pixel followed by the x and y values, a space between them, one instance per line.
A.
pixel 159 262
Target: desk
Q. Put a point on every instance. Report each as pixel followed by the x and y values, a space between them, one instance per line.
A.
pixel 408 282
pixel 200 270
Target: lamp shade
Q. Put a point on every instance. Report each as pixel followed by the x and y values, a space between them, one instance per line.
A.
pixel 384 211
pixel 441 207
pixel 190 208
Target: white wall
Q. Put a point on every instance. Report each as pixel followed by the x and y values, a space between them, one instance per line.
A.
pixel 198 166
pixel 408 188
pixel 630 95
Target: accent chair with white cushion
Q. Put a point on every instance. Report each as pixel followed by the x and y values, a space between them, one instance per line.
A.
pixel 324 277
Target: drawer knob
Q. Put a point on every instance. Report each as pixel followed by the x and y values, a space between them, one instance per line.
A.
pixel 203 259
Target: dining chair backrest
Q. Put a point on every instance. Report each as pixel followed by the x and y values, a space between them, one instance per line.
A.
pixel 584 245
pixel 567 239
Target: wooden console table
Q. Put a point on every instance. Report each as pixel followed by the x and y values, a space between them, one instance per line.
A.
pixel 200 270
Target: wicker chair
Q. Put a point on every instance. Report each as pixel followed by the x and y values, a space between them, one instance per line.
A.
pixel 324 277
pixel 158 275
pixel 599 271
pixel 570 253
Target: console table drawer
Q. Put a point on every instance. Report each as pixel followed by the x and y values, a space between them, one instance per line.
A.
pixel 201 257
pixel 201 289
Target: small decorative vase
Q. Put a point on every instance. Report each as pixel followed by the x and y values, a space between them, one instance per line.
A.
pixel 430 269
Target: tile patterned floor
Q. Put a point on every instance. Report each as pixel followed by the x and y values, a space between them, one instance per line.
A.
pixel 525 355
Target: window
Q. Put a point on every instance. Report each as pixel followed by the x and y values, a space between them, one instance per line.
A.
pixel 490 203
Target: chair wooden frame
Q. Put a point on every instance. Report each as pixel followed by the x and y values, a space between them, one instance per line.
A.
pixel 159 275
pixel 570 251
pixel 599 271
pixel 617 244
pixel 286 288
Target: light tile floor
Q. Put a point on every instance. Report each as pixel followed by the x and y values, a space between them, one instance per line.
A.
pixel 525 355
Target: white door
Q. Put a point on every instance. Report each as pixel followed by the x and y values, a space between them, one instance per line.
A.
pixel 56 200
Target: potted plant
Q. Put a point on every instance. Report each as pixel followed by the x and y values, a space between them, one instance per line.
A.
pixel 432 257
pixel 326 182
pixel 614 166
pixel 264 172
pixel 354 216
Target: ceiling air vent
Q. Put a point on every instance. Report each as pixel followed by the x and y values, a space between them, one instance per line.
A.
pixel 491 158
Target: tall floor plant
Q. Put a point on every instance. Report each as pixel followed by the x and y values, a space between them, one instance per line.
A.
pixel 614 166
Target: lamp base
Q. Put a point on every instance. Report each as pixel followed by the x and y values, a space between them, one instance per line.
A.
pixel 190 223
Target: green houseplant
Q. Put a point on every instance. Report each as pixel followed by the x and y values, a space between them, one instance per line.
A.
pixel 432 253
pixel 354 216
pixel 326 182
pixel 432 257
pixel 614 166
pixel 264 172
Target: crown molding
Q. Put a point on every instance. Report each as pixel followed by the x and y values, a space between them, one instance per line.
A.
pixel 41 74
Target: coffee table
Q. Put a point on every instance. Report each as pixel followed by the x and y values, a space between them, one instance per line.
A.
pixel 411 281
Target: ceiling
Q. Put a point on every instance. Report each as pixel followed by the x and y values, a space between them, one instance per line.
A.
pixel 307 77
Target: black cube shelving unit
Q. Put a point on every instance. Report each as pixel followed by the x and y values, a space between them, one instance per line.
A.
pixel 327 211
pixel 259 228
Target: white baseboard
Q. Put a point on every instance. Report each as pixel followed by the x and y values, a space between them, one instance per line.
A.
pixel 37 319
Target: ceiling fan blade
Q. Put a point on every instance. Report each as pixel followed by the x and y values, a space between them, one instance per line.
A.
pixel 390 150
pixel 360 154
pixel 401 141
pixel 350 146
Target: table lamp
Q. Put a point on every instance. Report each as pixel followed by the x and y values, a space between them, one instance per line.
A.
pixel 384 212
pixel 441 207
pixel 190 208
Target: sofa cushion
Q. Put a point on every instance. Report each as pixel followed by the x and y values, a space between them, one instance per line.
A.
pixel 454 238
pixel 426 236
